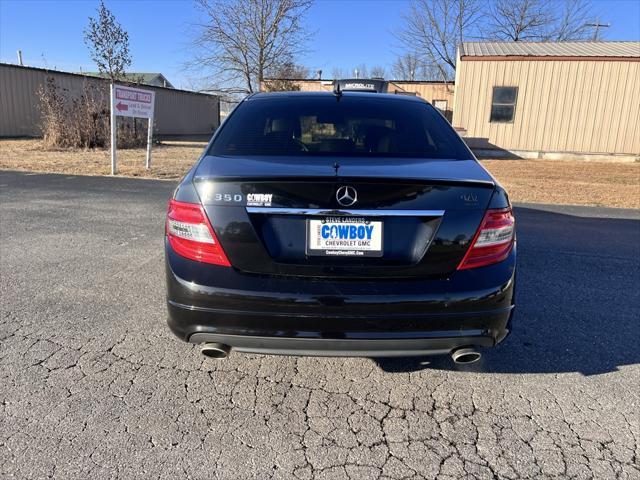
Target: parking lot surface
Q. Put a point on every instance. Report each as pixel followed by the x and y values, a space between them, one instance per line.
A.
pixel 93 384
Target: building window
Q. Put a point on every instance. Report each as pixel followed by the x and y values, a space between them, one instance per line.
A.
pixel 440 105
pixel 503 105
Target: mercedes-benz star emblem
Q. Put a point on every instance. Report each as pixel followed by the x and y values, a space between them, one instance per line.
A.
pixel 346 196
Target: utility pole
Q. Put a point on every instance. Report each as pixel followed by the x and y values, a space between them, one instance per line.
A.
pixel 596 25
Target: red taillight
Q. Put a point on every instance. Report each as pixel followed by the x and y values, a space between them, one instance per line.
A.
pixel 493 240
pixel 190 234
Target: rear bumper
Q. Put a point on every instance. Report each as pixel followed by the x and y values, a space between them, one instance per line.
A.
pixel 341 347
pixel 278 315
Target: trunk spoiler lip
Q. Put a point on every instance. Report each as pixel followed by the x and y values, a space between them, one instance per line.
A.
pixel 470 171
pixel 342 180
pixel 324 212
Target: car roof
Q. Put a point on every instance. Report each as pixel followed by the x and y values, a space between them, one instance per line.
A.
pixel 325 94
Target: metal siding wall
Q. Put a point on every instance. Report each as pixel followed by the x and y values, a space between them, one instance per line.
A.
pixel 429 91
pixel 314 85
pixel 183 113
pixel 617 104
pixel 562 106
pixel 633 109
pixel 176 113
pixel 18 111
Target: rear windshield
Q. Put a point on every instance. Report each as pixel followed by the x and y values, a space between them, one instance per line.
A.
pixel 325 126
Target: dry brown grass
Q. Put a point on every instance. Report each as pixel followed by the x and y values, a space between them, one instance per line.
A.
pixel 171 160
pixel 569 182
pixel 534 181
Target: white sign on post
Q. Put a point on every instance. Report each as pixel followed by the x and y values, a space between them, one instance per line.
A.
pixel 131 102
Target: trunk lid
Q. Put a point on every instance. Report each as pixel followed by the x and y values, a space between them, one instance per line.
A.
pixel 430 211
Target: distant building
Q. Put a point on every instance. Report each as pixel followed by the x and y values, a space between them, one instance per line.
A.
pixel 549 100
pixel 177 112
pixel 439 94
pixel 153 79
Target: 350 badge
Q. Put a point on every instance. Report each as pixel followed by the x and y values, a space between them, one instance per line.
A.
pixel 227 197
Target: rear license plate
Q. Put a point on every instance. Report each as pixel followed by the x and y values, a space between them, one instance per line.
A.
pixel 344 236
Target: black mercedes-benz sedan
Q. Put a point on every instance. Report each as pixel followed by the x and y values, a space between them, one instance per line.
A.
pixel 343 223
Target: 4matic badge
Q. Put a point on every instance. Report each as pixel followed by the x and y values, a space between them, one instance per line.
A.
pixel 469 197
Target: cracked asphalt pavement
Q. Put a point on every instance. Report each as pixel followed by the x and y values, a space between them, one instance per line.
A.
pixel 93 384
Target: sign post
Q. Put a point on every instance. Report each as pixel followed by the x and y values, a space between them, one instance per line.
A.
pixel 149 140
pixel 134 103
pixel 113 134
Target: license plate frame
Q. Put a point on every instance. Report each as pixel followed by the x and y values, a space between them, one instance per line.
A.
pixel 357 247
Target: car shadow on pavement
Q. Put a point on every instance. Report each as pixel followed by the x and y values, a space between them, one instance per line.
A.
pixel 577 300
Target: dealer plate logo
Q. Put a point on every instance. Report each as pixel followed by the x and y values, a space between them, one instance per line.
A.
pixel 259 199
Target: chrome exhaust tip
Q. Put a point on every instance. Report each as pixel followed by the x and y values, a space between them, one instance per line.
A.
pixel 465 355
pixel 217 351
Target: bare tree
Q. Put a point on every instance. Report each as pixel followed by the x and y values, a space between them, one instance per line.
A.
pixel 436 27
pixel 518 20
pixel 338 72
pixel 406 67
pixel 411 66
pixel 290 70
pixel 538 20
pixel 284 78
pixel 108 44
pixel 241 40
pixel 378 71
pixel 573 21
pixel 361 71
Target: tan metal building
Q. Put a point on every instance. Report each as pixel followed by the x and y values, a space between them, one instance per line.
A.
pixel 438 94
pixel 549 100
pixel 177 112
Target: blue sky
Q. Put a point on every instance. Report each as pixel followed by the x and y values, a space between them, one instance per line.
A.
pixel 347 32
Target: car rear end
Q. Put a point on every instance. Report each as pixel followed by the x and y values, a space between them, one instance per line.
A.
pixel 339 225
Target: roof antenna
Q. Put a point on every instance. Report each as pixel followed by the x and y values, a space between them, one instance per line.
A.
pixel 336 89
